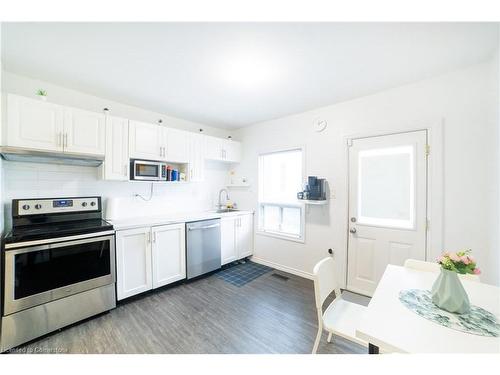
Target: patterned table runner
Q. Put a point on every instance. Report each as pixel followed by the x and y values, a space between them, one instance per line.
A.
pixel 477 321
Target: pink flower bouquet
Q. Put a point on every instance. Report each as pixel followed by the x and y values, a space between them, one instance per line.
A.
pixel 459 262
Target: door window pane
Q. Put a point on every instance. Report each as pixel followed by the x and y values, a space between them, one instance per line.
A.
pixel 386 187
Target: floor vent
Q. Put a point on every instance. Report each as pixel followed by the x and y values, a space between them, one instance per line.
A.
pixel 281 277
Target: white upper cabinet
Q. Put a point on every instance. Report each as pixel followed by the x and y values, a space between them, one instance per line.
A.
pixel 84 132
pixel 231 151
pixel 34 124
pixel 222 149
pixel 146 141
pixel 169 254
pixel 196 157
pixel 45 126
pixel 176 145
pixel 213 148
pixel 116 162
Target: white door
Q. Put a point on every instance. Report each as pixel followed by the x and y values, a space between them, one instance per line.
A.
pixel 133 262
pixel 387 205
pixel 229 251
pixel 116 162
pixel 34 124
pixel 231 151
pixel 244 235
pixel 169 254
pixel 84 132
pixel 213 148
pixel 176 143
pixel 145 141
pixel 196 157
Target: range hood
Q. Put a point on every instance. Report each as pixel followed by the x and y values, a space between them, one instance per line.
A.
pixel 33 156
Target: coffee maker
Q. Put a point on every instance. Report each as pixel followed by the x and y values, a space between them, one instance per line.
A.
pixel 314 190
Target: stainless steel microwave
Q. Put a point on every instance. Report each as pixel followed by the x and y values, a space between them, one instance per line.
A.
pixel 146 170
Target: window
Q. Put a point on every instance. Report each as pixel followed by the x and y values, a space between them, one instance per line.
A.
pixel 280 178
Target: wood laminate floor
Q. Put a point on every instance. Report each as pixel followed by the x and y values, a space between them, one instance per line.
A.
pixel 267 315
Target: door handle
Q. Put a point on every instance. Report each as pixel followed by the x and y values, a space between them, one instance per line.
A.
pixel 352 230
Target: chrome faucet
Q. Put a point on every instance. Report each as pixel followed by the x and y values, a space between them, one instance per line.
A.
pixel 220 197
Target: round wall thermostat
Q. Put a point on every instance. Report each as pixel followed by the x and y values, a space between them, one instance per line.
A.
pixel 320 125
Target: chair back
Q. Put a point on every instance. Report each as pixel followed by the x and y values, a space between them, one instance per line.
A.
pixel 421 265
pixel 324 281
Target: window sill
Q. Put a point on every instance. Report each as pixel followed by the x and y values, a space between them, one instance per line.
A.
pixel 281 236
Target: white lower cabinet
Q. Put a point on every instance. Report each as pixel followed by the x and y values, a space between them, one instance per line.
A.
pixel 236 237
pixel 169 254
pixel 229 252
pixel 133 262
pixel 244 235
pixel 149 257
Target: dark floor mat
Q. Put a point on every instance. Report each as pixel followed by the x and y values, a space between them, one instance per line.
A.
pixel 241 274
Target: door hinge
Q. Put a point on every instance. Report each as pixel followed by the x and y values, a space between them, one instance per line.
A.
pixel 427 149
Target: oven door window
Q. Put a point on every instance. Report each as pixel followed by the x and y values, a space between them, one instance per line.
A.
pixel 44 270
pixel 147 170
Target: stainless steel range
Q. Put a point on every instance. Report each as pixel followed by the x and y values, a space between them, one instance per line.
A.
pixel 58 267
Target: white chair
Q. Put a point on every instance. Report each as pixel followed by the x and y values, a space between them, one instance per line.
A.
pixel 435 267
pixel 341 317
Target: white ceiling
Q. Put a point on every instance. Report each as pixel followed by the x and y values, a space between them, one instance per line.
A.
pixel 236 74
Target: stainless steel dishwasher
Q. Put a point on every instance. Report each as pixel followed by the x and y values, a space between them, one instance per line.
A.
pixel 203 252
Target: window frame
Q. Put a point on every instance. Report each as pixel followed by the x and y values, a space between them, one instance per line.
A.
pixel 260 204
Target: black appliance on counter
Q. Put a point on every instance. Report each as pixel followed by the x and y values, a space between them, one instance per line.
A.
pixel 317 188
pixel 58 267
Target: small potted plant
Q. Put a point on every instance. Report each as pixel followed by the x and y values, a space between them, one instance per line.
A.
pixel 447 291
pixel 42 94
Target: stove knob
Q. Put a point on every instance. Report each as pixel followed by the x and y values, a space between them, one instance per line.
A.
pixel 92 203
pixel 84 204
pixel 38 206
pixel 26 207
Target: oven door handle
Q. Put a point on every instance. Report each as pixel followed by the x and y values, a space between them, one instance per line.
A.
pixel 27 244
pixel 55 245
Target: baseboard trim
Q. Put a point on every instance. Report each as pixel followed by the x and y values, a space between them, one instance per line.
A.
pixel 293 271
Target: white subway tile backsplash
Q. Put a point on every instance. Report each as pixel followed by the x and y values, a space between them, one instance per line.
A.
pixel 30 180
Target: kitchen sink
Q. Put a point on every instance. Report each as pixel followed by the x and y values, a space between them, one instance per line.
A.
pixel 224 210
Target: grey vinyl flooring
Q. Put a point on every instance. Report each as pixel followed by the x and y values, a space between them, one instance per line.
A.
pixel 209 315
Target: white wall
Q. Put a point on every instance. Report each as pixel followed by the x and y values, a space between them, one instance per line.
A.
pixel 30 180
pixel 465 100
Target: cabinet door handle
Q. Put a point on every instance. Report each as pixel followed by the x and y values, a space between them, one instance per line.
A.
pixel 125 169
pixel 191 174
pixel 154 237
pixel 59 139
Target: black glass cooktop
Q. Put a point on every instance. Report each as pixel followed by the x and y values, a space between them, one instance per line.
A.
pixel 54 230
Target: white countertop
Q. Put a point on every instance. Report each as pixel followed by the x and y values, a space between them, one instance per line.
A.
pixel 145 221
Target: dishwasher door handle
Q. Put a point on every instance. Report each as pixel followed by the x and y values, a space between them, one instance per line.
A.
pixel 207 227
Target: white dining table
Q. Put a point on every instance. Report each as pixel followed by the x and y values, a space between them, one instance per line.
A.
pixel 392 327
